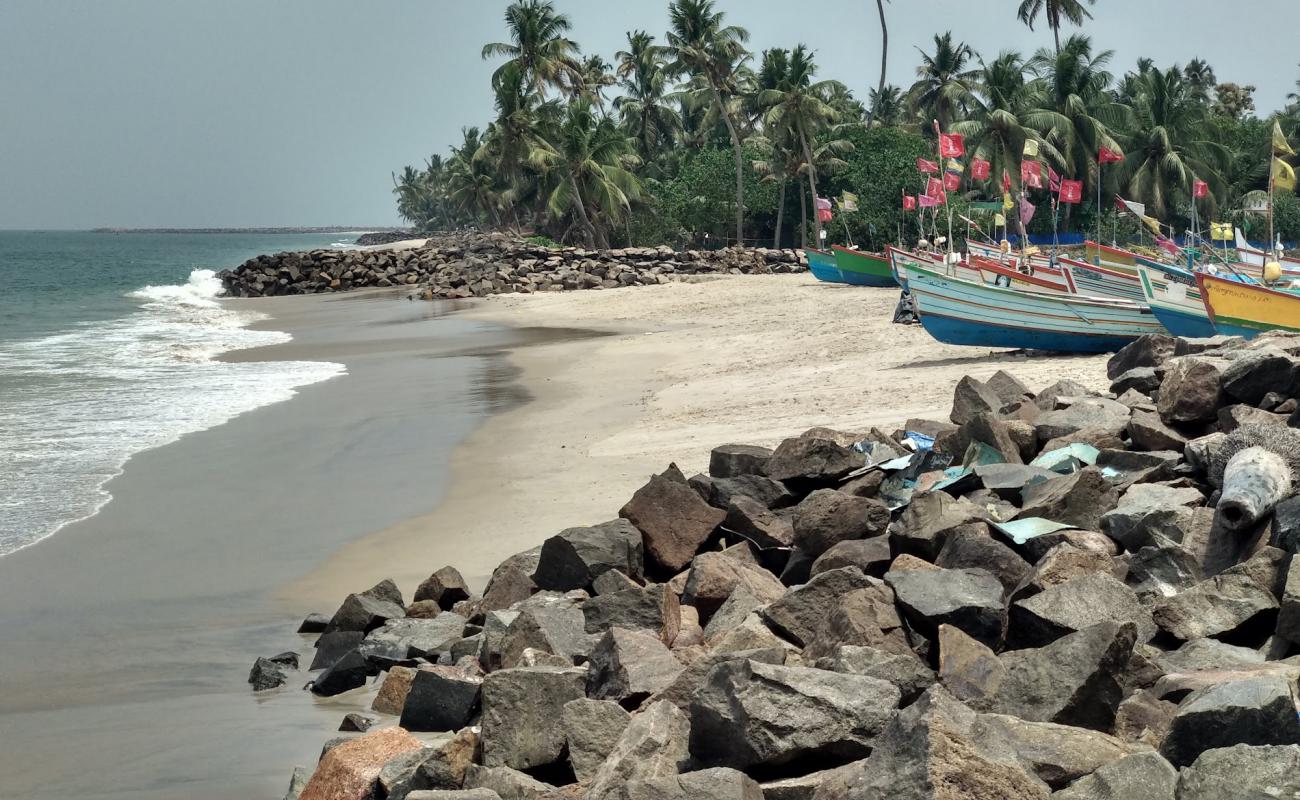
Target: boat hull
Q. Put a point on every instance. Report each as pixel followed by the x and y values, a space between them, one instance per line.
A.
pixel 1176 303
pixel 863 269
pixel 1094 281
pixel 822 266
pixel 1240 309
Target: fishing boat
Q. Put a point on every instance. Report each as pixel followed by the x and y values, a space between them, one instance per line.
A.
pixel 1091 280
pixel 948 264
pixel 1043 279
pixel 863 269
pixel 822 265
pixel 1174 298
pixel 994 253
pixel 962 312
pixel 1257 258
pixel 1112 258
pixel 1244 309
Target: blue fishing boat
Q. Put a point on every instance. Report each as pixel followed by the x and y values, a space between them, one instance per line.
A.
pixel 1091 280
pixel 822 265
pixel 1174 298
pixel 961 312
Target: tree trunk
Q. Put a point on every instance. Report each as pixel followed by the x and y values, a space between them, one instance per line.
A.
pixel 780 215
pixel 588 230
pixel 812 187
pixel 1056 35
pixel 738 158
pixel 884 58
pixel 803 220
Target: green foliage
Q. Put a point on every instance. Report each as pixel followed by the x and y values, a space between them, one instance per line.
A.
pixel 881 168
pixel 1286 217
pixel 543 241
pixel 699 201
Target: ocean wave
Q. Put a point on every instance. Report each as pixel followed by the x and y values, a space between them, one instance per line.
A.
pixel 77 405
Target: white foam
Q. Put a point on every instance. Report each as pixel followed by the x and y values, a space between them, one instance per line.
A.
pixel 77 405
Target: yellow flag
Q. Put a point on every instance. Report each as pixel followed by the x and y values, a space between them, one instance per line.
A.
pixel 1221 231
pixel 1283 175
pixel 1006 201
pixel 1031 148
pixel 1281 147
pixel 999 220
pixel 1153 224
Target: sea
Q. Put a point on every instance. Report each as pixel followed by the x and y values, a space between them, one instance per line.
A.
pixel 108 347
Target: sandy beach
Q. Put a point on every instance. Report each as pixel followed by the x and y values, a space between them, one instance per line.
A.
pixel 685 367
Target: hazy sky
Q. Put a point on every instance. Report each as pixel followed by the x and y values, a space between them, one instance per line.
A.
pixel 295 112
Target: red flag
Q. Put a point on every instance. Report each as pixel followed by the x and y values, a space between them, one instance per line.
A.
pixel 979 170
pixel 927 167
pixel 1053 180
pixel 927 201
pixel 1107 156
pixel 909 202
pixel 951 145
pixel 951 181
pixel 1200 189
pixel 1031 174
pixel 1026 211
pixel 1168 246
pixel 1006 181
pixel 1071 191
pixel 934 187
pixel 824 215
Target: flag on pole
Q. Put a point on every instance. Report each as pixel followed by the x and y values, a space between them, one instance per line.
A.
pixel 1006 181
pixel 1031 174
pixel 927 201
pixel 1283 175
pixel 1026 211
pixel 1200 189
pixel 1007 203
pixel 934 188
pixel 925 166
pixel 1139 209
pixel 954 165
pixel 951 145
pixel 1071 192
pixel 1031 148
pixel 952 181
pixel 909 202
pixel 979 170
pixel 1221 231
pixel 999 220
pixel 1053 180
pixel 1107 156
pixel 1281 147
pixel 1167 245
pixel 848 201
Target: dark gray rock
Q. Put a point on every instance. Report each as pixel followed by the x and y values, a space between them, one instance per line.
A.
pixel 862 617
pixel 674 521
pixel 800 612
pixel 924 525
pixel 968 599
pixel 972 546
pixel 629 666
pixel 546 623
pixel 827 517
pixel 441 698
pixel 1082 414
pixel 349 672
pixel 509 585
pixel 505 783
pixel 1074 605
pixel 402 640
pixel 330 647
pixel 1048 398
pixel 1078 499
pixel 903 670
pixel 592 728
pixel 611 581
pixel 1243 772
pixel 714 576
pixel 652 609
pixel 872 556
pixel 575 557
pixel 683 690
pixel 364 613
pixel 757 523
pixel 1149 432
pixel 1062 563
pixel 357 722
pixel 1286 525
pixel 1256 711
pixel 1147 510
pixel 812 462
pixel 521 711
pixel 751 714
pixel 1144 776
pixel 445 587
pixel 267 674
pixel 1191 391
pixel 1215 606
pixel 1009 480
pixel 719 492
pixel 1007 387
pixel 1151 350
pixel 972 397
pixel 719 783
pixel 1288 617
pixel 314 623
pixel 731 460
pixel 653 745
pixel 1254 374
pixel 1140 379
pixel 1057 754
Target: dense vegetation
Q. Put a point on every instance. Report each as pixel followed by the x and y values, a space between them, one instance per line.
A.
pixel 693 140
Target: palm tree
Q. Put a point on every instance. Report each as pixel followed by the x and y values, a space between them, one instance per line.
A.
pixel 798 107
pixel 702 46
pixel 1200 79
pixel 644 105
pixel 884 59
pixel 586 160
pixel 472 183
pixel 591 81
pixel 944 82
pixel 888 106
pixel 1165 154
pixel 537 45
pixel 1072 10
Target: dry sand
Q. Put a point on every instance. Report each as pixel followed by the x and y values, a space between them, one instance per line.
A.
pixel 688 366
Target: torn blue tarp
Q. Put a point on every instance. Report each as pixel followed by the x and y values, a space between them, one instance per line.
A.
pixel 1071 458
pixel 919 441
pixel 1022 530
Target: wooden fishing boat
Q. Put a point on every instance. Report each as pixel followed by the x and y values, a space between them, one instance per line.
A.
pixel 900 260
pixel 822 265
pixel 1112 258
pixel 863 269
pixel 1043 279
pixel 1257 258
pixel 1012 259
pixel 1175 299
pixel 962 312
pixel 1243 309
pixel 1091 280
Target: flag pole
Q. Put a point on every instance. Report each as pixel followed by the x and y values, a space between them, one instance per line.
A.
pixel 1098 261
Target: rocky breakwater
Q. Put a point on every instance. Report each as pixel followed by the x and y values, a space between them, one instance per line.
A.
pixel 1048 594
pixel 477 265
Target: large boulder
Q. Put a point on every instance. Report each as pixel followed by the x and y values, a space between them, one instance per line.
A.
pixel 1243 772
pixel 364 612
pixel 731 460
pixel 441 698
pixel 757 523
pixel 545 623
pixel 799 613
pixel 827 517
pixel 1191 391
pixel 1151 350
pixel 718 783
pixel 1082 414
pixel 1143 776
pixel 872 556
pixel 575 557
pixel 1149 432
pixel 924 525
pixel 809 462
pixel 400 640
pixel 1074 605
pixel 592 728
pixel 1146 510
pixel 520 710
pixel 674 521
pixel 1058 754
pixel 1215 606
pixel 349 771
pixel 654 609
pixel 349 672
pixel 1078 499
pixel 628 666
pixel 445 587
pixel 751 714
pixel 653 745
pixel 972 397
pixel 973 547
pixel 1253 374
pixel 904 670
pixel 969 599
pixel 715 575
pixel 1255 711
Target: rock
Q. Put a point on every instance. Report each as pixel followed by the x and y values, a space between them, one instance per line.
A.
pixel 872 556
pixel 801 612
pixel 969 599
pixel 520 709
pixel 706 784
pixel 1151 350
pixel 653 609
pixel 1140 379
pixel 1147 511
pixel 441 698
pixel 1008 389
pixel 739 604
pixel 750 714
pixel 1144 718
pixel 1190 391
pixel 827 517
pixel 445 765
pixel 314 623
pixel 1243 772
pixel 924 525
pixel 548 624
pixel 592 728
pixel 393 690
pixel 714 576
pixel 683 690
pixel 731 460
pixel 506 783
pixel 1139 775
pixel 968 668
pixel 454 794
pixel 862 617
pixel 1288 618
pixel 1048 398
pixel 1009 480
pixel 575 557
pixel 445 587
pixel 349 771
pixel 673 521
pixel 1215 606
pixel 653 745
pixel 1061 563
pixel 1256 711
pixel 267 674
pixel 751 633
pixel 611 581
pixel 972 397
pixel 1078 499
pixel 400 640
pixel 1233 417
pixel 298 781
pixel 719 492
pixel 427 609
pixel 1038 546
pixel 1058 754
pixel 1083 413
pixel 1286 525
pixel 905 671
pixel 1149 432
pixel 985 428
pixel 1252 375
pixel 971 546
pixel 1074 605
pixel 349 672
pixel 810 462
pixel 357 722
pixel 509 585
pixel 363 613
pixel 627 666
pixel 758 523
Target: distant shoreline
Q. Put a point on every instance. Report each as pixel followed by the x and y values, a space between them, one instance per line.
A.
pixel 326 229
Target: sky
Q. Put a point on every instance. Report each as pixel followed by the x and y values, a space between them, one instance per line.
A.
pixel 227 113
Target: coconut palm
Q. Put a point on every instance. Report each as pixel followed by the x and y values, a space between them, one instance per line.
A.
pixel 593 77
pixel 701 45
pixel 1165 151
pixel 944 81
pixel 472 183
pixel 644 105
pixel 1054 11
pixel 537 45
pixel 888 106
pixel 884 59
pixel 1200 79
